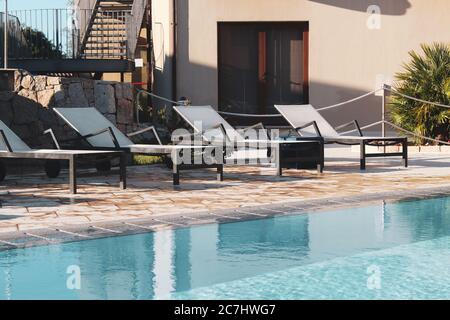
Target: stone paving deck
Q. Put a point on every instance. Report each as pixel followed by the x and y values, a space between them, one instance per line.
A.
pixel 33 206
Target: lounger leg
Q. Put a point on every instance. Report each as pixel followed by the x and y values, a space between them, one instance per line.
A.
pixel 73 174
pixel 405 152
pixel 2 170
pixel 321 165
pixel 123 172
pixel 220 172
pixel 320 168
pixel 362 155
pixel 176 175
pixel 175 168
pixel 277 149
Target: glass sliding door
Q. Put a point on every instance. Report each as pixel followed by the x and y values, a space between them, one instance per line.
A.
pixel 262 64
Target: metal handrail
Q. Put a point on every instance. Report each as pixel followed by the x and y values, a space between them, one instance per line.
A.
pixel 134 25
pixel 84 34
pixel 81 6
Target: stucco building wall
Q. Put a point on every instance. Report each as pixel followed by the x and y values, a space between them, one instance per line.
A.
pixel 346 57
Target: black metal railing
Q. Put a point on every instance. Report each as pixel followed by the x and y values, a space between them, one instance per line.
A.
pixel 48 33
pixel 68 34
pixel 15 37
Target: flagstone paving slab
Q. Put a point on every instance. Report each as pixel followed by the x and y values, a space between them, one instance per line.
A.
pixel 35 202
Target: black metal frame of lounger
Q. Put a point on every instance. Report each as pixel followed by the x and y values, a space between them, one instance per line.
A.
pixel 176 167
pixel 366 142
pixel 279 146
pixel 54 168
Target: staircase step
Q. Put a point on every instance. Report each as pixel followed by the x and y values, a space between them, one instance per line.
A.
pixel 102 56
pixel 109 23
pixel 112 49
pixel 100 52
pixel 109 29
pixel 107 35
pixel 115 3
pixel 104 50
pixel 115 8
pixel 105 41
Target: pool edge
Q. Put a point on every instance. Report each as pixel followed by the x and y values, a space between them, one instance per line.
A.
pixel 91 231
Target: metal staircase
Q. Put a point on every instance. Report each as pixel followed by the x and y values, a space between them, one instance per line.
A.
pixel 98 36
pixel 105 35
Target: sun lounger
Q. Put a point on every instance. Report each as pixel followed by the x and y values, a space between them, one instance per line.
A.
pixel 12 147
pixel 100 133
pixel 212 126
pixel 308 122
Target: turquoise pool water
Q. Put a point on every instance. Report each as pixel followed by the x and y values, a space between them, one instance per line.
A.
pixel 388 251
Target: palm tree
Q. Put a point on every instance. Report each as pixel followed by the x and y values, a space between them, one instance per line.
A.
pixel 426 77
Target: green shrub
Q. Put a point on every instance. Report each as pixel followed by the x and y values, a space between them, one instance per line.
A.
pixel 40 45
pixel 142 160
pixel 426 77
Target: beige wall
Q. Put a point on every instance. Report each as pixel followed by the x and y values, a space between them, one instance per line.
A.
pixel 346 57
pixel 163 48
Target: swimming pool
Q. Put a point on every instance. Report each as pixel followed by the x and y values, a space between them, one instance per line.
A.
pixel 388 251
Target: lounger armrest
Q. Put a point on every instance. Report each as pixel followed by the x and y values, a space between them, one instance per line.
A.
pixel 293 132
pixel 106 130
pixel 151 128
pixel 351 123
pixel 224 133
pixel 189 136
pixel 202 134
pixel 54 140
pixel 5 141
pixel 309 124
pixel 258 125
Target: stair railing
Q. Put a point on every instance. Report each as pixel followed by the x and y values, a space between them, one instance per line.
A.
pixel 134 24
pixel 87 12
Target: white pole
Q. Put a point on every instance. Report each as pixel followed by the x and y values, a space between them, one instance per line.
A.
pixel 383 112
pixel 383 116
pixel 6 35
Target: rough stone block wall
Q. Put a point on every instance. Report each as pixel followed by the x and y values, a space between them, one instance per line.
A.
pixel 28 109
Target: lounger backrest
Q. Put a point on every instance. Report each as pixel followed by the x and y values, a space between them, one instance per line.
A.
pixel 88 121
pixel 206 119
pixel 299 115
pixel 14 141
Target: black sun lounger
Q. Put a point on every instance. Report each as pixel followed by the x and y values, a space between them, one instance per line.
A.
pixel 100 134
pixel 286 153
pixel 308 122
pixel 12 147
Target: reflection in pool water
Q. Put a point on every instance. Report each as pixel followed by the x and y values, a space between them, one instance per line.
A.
pixel 317 255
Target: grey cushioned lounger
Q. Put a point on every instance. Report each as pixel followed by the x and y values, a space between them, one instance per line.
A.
pixel 12 147
pixel 308 122
pixel 101 133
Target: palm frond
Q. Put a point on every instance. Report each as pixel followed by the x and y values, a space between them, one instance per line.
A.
pixel 426 76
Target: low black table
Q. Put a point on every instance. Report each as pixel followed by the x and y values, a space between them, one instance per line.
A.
pixel 300 153
pixel 72 156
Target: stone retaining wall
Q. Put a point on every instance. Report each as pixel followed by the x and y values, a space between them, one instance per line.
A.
pixel 28 109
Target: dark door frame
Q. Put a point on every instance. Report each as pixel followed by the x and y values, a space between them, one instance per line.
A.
pixel 302 25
